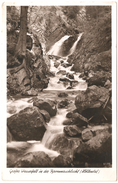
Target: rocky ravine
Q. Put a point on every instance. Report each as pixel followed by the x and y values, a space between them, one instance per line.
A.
pixel 87 138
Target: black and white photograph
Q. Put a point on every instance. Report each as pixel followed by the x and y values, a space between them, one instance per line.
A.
pixel 59 91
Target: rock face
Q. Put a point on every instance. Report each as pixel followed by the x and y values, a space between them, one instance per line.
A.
pixel 47 105
pixel 99 78
pixel 21 77
pixel 27 124
pixel 97 149
pixel 93 96
pixel 90 132
pixel 34 159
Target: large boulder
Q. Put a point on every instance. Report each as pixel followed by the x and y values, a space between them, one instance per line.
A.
pixel 45 115
pixel 47 105
pixel 31 92
pixel 61 161
pixel 34 159
pixel 27 124
pixel 97 149
pixel 77 119
pixel 99 78
pixel 64 145
pixel 90 132
pixel 93 97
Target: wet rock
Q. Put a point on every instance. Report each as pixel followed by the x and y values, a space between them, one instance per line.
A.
pixel 31 92
pixel 34 159
pixel 81 75
pixel 64 79
pixel 93 97
pixel 70 76
pixel 27 124
pixel 87 134
pixel 69 115
pixel 97 149
pixel 68 88
pixel 62 94
pixel 61 161
pixel 108 84
pixel 77 118
pixel 98 116
pixel 46 115
pixel 100 61
pixel 99 78
pixel 26 81
pixel 56 64
pixel 65 65
pixel 47 105
pixel 67 122
pixel 64 145
pixel 63 103
pixel 74 83
pixel 11 109
pixel 72 131
pixel 62 72
pixel 40 83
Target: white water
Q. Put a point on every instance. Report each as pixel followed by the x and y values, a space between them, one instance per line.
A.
pixel 56 47
pixel 55 84
pixel 55 126
pixel 75 44
pixel 14 106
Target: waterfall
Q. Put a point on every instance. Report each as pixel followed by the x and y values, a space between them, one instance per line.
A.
pixel 54 128
pixel 75 44
pixel 56 47
pixel 60 81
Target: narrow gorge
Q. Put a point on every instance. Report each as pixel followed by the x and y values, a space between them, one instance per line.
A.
pixel 59 86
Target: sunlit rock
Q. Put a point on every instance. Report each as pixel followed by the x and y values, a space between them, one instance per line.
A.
pixel 48 105
pixel 34 159
pixel 27 124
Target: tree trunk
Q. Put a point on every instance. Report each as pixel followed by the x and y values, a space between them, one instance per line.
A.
pixel 20 51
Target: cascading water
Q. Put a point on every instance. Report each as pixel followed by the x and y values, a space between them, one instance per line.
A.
pixel 55 126
pixel 56 47
pixel 75 44
pixel 55 83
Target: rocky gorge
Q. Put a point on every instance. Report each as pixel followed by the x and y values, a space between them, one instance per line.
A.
pixel 59 101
